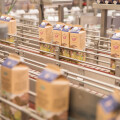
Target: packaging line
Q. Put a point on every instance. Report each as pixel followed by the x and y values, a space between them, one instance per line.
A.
pixel 34 43
pixel 113 79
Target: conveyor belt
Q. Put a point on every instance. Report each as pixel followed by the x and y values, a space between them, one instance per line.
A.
pixel 88 83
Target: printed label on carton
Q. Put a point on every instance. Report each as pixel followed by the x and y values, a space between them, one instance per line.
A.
pixel 48 76
pixel 10 63
pixel 75 30
pixel 109 104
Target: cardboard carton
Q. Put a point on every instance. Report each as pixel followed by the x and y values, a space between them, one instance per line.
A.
pixel 115 49
pixel 77 41
pixel 15 85
pixel 11 22
pixel 57 33
pixel 66 39
pixel 45 35
pixel 45 32
pixel 52 93
pixel 109 107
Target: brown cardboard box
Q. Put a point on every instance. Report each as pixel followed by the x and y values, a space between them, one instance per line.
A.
pixel 52 92
pixel 57 33
pixel 66 39
pixel 109 107
pixel 15 85
pixel 77 41
pixel 115 49
pixel 11 22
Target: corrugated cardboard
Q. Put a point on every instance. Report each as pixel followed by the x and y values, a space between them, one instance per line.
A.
pixel 57 33
pixel 15 85
pixel 12 28
pixel 109 107
pixel 52 92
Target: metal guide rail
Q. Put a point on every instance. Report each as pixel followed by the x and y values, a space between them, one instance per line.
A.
pixel 93 52
pixel 32 55
pixel 78 82
pixel 32 44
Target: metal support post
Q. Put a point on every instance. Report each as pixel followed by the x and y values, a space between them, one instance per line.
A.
pixel 57 52
pixel 87 5
pixel 81 4
pixel 41 12
pixel 61 13
pixel 103 22
pixel 2 7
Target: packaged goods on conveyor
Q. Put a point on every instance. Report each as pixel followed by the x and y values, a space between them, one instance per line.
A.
pixel 11 23
pixel 115 49
pixel 45 35
pixel 109 107
pixel 52 90
pixel 77 94
pixel 15 86
pixel 65 35
pixel 66 39
pixel 57 33
pixel 77 41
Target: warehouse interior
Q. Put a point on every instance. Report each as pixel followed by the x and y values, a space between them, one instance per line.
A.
pixel 59 60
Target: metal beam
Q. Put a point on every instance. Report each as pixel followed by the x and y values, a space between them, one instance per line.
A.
pixel 61 13
pixel 103 22
pixel 2 7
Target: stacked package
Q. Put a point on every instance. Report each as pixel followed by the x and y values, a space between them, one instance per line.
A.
pixel 52 90
pixel 15 86
pixel 109 107
pixel 11 23
pixel 115 49
pixel 45 35
pixel 77 41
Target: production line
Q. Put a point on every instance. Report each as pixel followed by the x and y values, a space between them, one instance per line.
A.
pixel 53 70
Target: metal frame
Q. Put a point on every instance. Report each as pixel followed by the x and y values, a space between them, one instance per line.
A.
pixel 104 8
